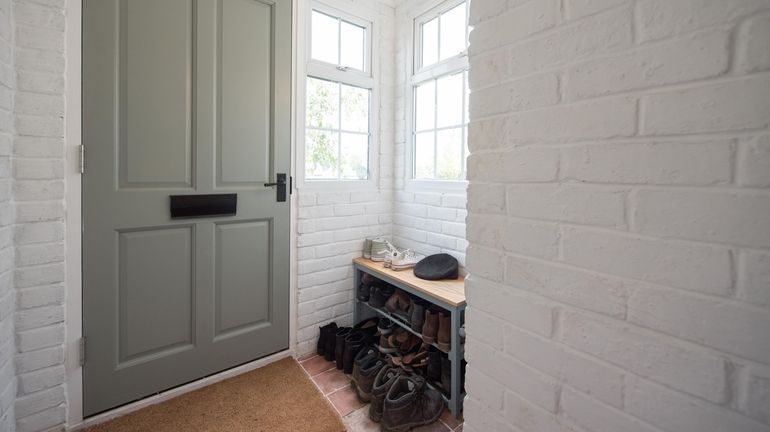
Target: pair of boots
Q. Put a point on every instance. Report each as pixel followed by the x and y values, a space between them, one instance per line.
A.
pixel 401 402
pixel 437 329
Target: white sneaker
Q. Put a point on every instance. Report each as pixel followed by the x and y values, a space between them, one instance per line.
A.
pixel 381 249
pixel 390 257
pixel 406 259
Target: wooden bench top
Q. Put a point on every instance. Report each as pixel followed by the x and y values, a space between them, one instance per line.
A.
pixel 448 290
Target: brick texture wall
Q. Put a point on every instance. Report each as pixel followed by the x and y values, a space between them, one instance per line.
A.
pixel 7 293
pixel 39 213
pixel 333 222
pixel 619 216
pixel 428 221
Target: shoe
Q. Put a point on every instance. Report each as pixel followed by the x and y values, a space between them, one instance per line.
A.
pixel 354 343
pixel 446 375
pixel 385 326
pixel 363 292
pixel 384 346
pixel 367 325
pixel 366 374
pixel 360 359
pixel 418 360
pixel 379 295
pixel 388 261
pixel 417 318
pixel 433 371
pixel 444 332
pixel 405 260
pixel 400 303
pixel 430 327
pixel 368 242
pixel 410 403
pixel 331 346
pixel 324 332
pixel 404 341
pixel 381 249
pixel 383 381
pixel 339 345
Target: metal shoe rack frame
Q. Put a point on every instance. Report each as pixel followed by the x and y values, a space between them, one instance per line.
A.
pixel 362 310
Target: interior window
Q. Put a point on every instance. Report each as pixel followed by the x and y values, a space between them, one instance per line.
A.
pixel 338 100
pixel 440 94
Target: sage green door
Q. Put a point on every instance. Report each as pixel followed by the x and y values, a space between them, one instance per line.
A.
pixel 182 97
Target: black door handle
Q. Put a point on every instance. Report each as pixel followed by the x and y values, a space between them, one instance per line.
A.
pixel 280 193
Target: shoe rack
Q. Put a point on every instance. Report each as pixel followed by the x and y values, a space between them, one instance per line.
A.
pixel 448 294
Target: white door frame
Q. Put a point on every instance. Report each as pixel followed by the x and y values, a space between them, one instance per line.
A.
pixel 73 240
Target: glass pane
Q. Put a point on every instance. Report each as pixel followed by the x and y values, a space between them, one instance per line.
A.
pixel 423 155
pixel 322 104
pixel 324 38
pixel 425 105
pixel 355 109
pixel 449 107
pixel 449 144
pixel 321 154
pixel 355 156
pixel 453 23
pixel 352 40
pixel 430 42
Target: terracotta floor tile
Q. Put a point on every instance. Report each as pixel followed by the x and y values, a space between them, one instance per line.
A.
pixel 359 421
pixel 436 426
pixel 450 420
pixel 306 357
pixel 316 365
pixel 345 400
pixel 331 381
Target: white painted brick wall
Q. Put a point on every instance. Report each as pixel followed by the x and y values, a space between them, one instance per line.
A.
pixel 39 211
pixel 7 291
pixel 332 224
pixel 619 216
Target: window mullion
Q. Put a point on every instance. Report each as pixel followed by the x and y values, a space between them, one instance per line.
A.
pixel 339 131
pixel 435 127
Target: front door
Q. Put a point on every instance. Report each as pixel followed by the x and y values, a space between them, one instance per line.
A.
pixel 183 98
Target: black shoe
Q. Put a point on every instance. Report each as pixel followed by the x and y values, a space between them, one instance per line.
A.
pixel 376 298
pixel 385 326
pixel 434 365
pixel 446 375
pixel 324 332
pixel 354 343
pixel 367 325
pixel 330 344
pixel 363 292
pixel 339 345
pixel 362 358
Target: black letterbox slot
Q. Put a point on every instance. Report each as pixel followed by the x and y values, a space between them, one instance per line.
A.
pixel 187 206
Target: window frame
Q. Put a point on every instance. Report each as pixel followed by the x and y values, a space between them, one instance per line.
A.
pixel 367 79
pixel 420 75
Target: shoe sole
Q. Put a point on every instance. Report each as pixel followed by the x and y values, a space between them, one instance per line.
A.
pixel 387 350
pixel 409 426
pixel 401 266
pixel 428 339
pixel 444 346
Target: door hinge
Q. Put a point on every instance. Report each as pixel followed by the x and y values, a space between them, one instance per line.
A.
pixel 82 351
pixel 82 159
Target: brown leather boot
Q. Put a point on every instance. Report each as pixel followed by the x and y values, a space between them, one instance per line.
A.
pixel 444 332
pixel 430 327
pixel 410 403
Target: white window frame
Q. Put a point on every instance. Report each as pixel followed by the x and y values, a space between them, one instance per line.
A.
pixel 419 75
pixel 367 79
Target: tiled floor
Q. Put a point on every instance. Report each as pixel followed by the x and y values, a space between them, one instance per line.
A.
pixel 335 385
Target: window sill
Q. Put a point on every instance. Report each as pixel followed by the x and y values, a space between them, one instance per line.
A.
pixel 336 185
pixel 446 186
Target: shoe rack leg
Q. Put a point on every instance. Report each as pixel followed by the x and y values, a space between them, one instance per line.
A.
pixel 356 306
pixel 456 358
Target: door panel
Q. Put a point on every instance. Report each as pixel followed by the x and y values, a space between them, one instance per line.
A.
pixel 243 266
pixel 155 73
pixel 244 144
pixel 182 97
pixel 156 296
